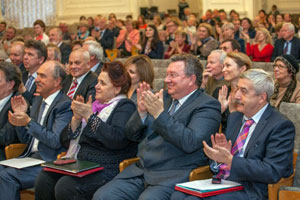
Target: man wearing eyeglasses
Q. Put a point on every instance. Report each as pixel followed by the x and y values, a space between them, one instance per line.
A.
pixel 170 127
pixel 172 27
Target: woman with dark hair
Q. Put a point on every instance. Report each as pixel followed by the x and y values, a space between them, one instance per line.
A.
pixel 248 29
pixel 39 30
pixel 287 87
pixel 96 133
pixel 141 23
pixel 140 69
pixel 151 45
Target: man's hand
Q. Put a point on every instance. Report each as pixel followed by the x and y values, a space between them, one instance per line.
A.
pixel 218 153
pixel 219 139
pixel 154 102
pixel 206 74
pixel 22 88
pixel 140 99
pixel 18 119
pixel 18 104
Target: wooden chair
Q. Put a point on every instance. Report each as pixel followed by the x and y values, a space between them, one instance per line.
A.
pixel 112 54
pixel 197 174
pixel 13 151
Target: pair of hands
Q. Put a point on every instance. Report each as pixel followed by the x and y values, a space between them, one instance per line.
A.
pixel 148 102
pixel 220 150
pixel 19 116
pixel 80 109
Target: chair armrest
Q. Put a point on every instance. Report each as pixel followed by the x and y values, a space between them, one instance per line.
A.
pixel 274 188
pixel 200 173
pixel 287 193
pixel 127 162
pixel 14 150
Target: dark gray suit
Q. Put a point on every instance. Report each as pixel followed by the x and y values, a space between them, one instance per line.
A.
pixel 267 158
pixel 65 50
pixel 279 44
pixel 170 147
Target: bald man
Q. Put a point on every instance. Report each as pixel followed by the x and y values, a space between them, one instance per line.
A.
pixel 56 37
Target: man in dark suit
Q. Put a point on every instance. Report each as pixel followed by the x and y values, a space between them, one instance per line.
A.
pixel 55 36
pixel 49 114
pixel 80 81
pixel 105 36
pixel 170 127
pixel 35 56
pixel 17 54
pixel 10 77
pixel 96 55
pixel 262 141
pixel 288 44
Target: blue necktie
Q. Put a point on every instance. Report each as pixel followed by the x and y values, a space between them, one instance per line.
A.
pixel 42 108
pixel 29 82
pixel 173 107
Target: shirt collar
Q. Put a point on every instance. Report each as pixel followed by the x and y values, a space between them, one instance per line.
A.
pixel 51 98
pixel 79 80
pixel 183 99
pixel 4 101
pixel 94 68
pixel 258 115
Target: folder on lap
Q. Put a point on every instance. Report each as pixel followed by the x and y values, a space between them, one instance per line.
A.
pixel 79 169
pixel 204 188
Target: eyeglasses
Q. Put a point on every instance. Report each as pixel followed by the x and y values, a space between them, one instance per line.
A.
pixel 279 66
pixel 173 75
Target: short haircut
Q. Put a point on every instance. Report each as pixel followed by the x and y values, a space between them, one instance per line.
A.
pixel 228 25
pixel 57 53
pixel 208 27
pixel 59 72
pixel 38 46
pixel 118 75
pixel 261 80
pixel 221 53
pixel 192 66
pixel 144 68
pixel 76 42
pixel 240 59
pixel 234 44
pixel 41 23
pixel 3 22
pixel 13 28
pixel 12 73
pixel 95 49
pixel 85 54
pixel 181 33
pixel 290 26
pixel 58 31
pixel 249 22
pixel 278 26
pixel 173 21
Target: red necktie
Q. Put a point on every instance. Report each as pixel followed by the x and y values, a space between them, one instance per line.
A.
pixel 72 89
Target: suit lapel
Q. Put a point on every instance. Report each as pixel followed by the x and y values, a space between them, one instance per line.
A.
pixel 57 98
pixel 187 102
pixel 235 130
pixel 36 108
pixel 258 129
pixel 82 85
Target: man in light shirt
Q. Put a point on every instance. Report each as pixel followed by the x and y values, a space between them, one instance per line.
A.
pixel 49 114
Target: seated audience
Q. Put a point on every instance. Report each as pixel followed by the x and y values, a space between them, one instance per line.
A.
pixel 271 23
pixel 140 69
pixel 178 46
pixel 83 30
pixel 39 30
pixel 170 127
pixel 53 53
pixel 288 44
pixel 258 147
pixel 17 54
pixel 49 114
pixel 128 38
pixel 81 81
pixel 213 76
pixel 101 129
pixel 230 45
pixel 56 38
pixel 96 55
pixel 171 28
pixel 10 80
pixel 151 45
pixel 228 33
pixel 234 65
pixel 287 87
pixel 262 50
pixel 2 28
pixel 5 43
pixel 203 42
pixel 247 27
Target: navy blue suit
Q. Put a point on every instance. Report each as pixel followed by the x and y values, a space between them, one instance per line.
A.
pixel 170 147
pixel 279 45
pixel 267 158
pixel 57 117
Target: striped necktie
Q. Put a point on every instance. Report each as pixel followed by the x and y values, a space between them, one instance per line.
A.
pixel 173 107
pixel 72 89
pixel 29 82
pixel 237 147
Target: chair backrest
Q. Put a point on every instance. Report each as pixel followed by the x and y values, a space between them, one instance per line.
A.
pixel 14 150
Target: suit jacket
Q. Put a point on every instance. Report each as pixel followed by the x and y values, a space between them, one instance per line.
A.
pixel 86 87
pixel 107 40
pixel 28 95
pixel 7 135
pixel 278 48
pixel 99 68
pixel 171 146
pixel 65 50
pixel 268 155
pixel 57 117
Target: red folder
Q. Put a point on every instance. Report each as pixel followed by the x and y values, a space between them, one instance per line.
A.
pixel 207 194
pixel 79 174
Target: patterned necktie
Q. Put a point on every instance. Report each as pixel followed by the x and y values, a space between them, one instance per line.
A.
pixel 285 49
pixel 173 107
pixel 29 82
pixel 236 149
pixel 72 89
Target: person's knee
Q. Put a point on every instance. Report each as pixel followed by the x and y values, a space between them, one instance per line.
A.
pixel 64 189
pixel 101 194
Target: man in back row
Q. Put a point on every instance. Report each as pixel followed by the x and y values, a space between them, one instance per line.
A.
pixel 262 142
pixel 170 127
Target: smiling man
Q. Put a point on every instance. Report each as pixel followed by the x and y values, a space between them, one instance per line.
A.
pixel 80 81
pixel 170 127
pixel 49 114
pixel 259 150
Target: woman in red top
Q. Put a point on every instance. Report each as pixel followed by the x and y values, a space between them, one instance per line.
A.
pixel 178 46
pixel 262 49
